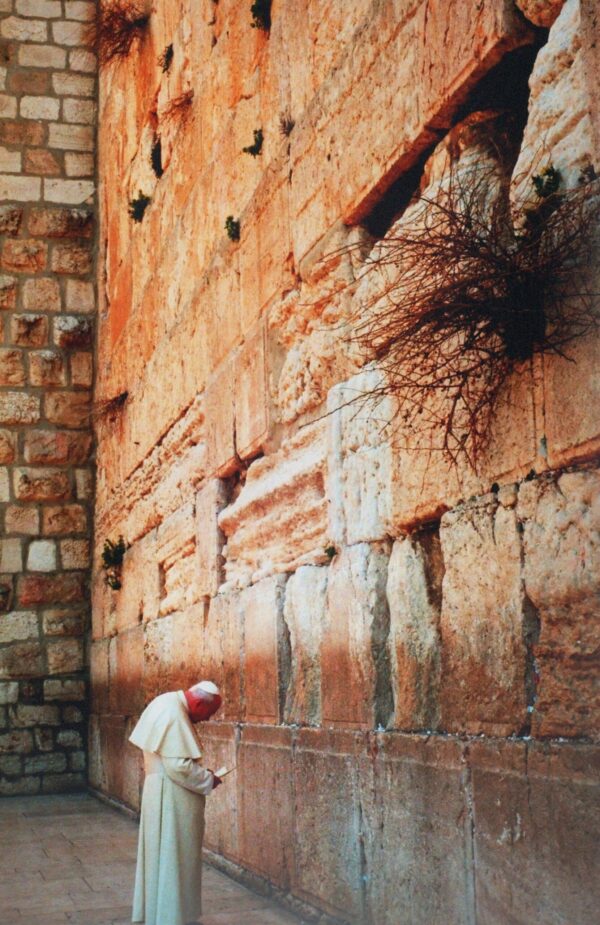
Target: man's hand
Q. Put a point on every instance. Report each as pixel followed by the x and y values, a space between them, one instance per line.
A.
pixel 216 780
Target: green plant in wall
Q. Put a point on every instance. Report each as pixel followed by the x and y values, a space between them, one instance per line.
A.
pixel 138 206
pixel 286 123
pixel 112 562
pixel 255 148
pixel 232 227
pixel 547 182
pixel 261 15
pixel 330 551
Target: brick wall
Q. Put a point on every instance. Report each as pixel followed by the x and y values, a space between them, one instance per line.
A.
pixel 47 302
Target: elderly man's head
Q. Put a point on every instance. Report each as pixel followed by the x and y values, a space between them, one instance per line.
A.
pixel 203 701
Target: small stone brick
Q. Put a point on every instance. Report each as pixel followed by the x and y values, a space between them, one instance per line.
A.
pixel 41 484
pixel 79 111
pixel 51 589
pixel 21 519
pixel 67 84
pixel 64 690
pixel 82 369
pixel 75 554
pixel 77 761
pixel 41 163
pixel 79 165
pixel 79 9
pixel 12 370
pixel 22 133
pixel 41 295
pixel 58 521
pixel 24 30
pixel 56 447
pixel 70 332
pixel 84 482
pixel 37 764
pixel 44 739
pixel 22 658
pixel 8 446
pixel 18 626
pixel 27 255
pixel 19 408
pixel 69 738
pixel 47 368
pixel 29 330
pixel 29 81
pixel 11 765
pixel 68 409
pixel 68 191
pixel 10 161
pixel 8 106
pixel 24 715
pixel 70 33
pixel 23 785
pixel 61 223
pixel 70 137
pixel 16 741
pixel 62 783
pixel 41 556
pixel 10 220
pixel 65 656
pixel 11 559
pixel 42 56
pixel 45 9
pixel 23 189
pixel 71 714
pixel 8 292
pixel 80 296
pixel 39 107
pixel 9 692
pixel 69 258
pixel 59 622
pixel 81 60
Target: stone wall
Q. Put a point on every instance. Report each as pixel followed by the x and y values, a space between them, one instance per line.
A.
pixel 406 649
pixel 47 301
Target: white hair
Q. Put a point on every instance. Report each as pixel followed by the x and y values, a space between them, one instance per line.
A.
pixel 205 689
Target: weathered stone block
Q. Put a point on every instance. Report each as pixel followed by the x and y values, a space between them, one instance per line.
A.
pixel 175 651
pixel 27 256
pixel 23 659
pixel 69 738
pixel 561 565
pixel 64 690
pixel 51 589
pixel 222 823
pixel 328 869
pixel 82 369
pixel 223 642
pixel 220 420
pixel 12 371
pixel 63 783
pixel 210 501
pixel 75 554
pixel 126 668
pixel 18 625
pixel 8 446
pixel 99 677
pixel 24 715
pixel 414 594
pixel 16 741
pixel 61 223
pixel 55 447
pixel 536 825
pixel 41 294
pixel 266 651
pixel 41 764
pixel 266 754
pixel 68 409
pixel 11 555
pixel 19 408
pixel 8 292
pixel 72 333
pixel 41 556
pixel 65 655
pixel 483 622
pixel 278 521
pixel 304 616
pixel 10 219
pixel 29 330
pixel 9 692
pixel 355 671
pixel 251 399
pixel 417 831
pixel 37 484
pixel 68 518
pixel 61 622
pixel 47 369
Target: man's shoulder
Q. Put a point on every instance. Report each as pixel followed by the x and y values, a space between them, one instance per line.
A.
pixel 168 703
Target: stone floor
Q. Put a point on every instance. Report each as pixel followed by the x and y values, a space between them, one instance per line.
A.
pixel 71 859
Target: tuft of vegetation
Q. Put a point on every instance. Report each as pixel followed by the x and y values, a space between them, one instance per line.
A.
pixel 232 227
pixel 118 24
pixel 138 206
pixel 286 123
pixel 109 408
pixel 156 158
pixel 255 148
pixel 261 15
pixel 330 552
pixel 165 60
pixel 112 562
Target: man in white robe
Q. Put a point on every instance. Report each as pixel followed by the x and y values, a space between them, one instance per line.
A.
pixel 168 885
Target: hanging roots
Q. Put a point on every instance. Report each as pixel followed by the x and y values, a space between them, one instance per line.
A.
pixel 462 298
pixel 118 24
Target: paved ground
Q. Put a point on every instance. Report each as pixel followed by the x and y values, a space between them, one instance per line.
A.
pixel 71 859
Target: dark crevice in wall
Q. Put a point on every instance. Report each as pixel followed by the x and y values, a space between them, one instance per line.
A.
pixel 531 635
pixel 383 707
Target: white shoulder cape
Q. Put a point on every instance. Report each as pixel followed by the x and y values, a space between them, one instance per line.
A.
pixel 165 728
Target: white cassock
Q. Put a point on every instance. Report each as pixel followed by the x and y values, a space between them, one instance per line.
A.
pixel 168 885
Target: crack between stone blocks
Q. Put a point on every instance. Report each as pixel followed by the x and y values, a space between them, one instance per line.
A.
pixel 471 875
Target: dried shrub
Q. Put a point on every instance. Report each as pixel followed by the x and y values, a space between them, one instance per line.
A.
pixel 119 23
pixel 179 106
pixel 260 11
pixel 462 298
pixel 256 147
pixel 109 408
pixel 138 206
pixel 232 228
pixel 286 123
pixel 156 158
pixel 112 562
pixel 165 60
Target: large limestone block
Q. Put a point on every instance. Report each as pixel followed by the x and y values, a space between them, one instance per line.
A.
pixel 414 593
pixel 278 521
pixel 266 650
pixel 304 615
pixel 99 676
pixel 210 501
pixel 175 651
pixel 223 642
pixel 138 597
pixel 126 668
pixel 559 128
pixel 220 419
pixel 483 621
pixel 536 827
pixel 175 555
pixel 443 50
pixel 355 670
pixel 417 831
pixel 265 755
pixel 328 826
pixel 219 743
pixel 251 397
pixel 541 12
pixel 561 541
